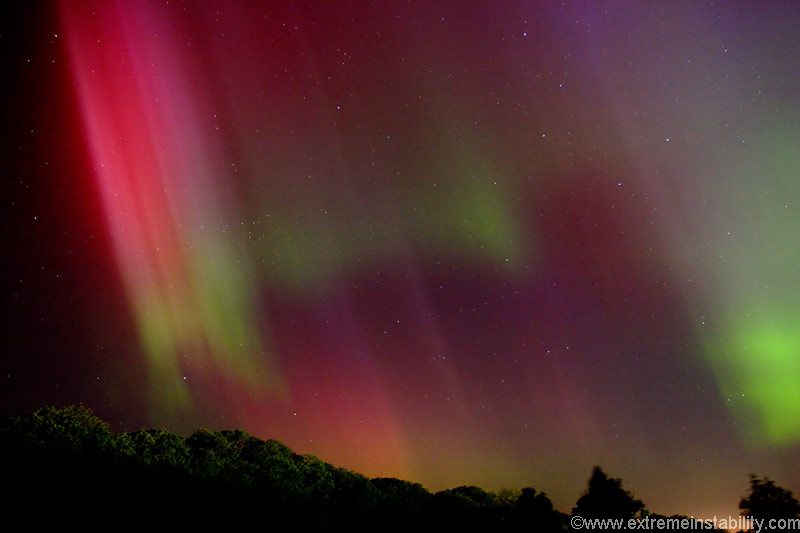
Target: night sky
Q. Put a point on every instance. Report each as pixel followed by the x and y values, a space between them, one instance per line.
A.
pixel 488 243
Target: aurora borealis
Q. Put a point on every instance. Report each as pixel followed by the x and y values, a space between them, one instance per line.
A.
pixel 488 243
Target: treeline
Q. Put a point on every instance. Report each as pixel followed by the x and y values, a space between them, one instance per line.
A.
pixel 66 465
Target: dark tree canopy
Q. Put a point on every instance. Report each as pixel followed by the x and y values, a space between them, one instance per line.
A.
pixel 605 497
pixel 767 500
pixel 67 458
pixel 66 465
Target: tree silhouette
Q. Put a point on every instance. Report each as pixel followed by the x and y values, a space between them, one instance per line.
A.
pixel 605 497
pixel 534 509
pixel 766 501
pixel 465 507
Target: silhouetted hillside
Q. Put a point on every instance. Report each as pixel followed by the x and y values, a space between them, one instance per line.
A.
pixel 66 466
pixel 65 460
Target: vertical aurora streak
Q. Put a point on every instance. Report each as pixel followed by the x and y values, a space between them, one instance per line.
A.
pixel 188 280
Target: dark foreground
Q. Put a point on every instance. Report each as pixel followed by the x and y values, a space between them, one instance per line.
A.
pixel 65 466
